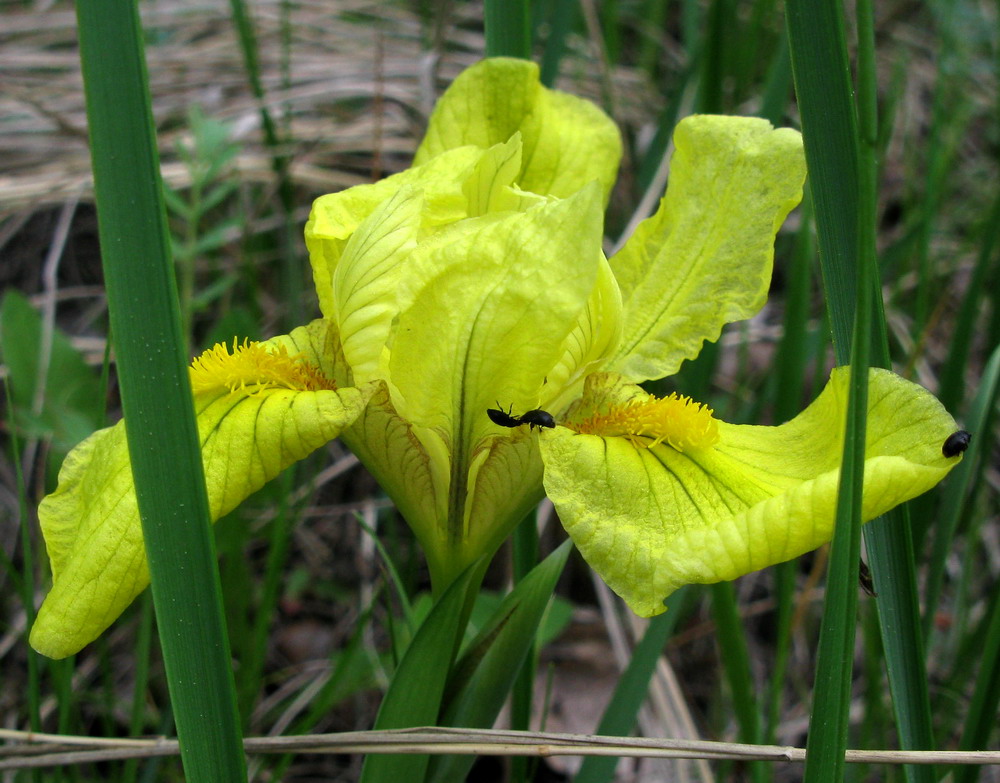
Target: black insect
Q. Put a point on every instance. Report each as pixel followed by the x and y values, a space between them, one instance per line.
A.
pixel 956 443
pixel 502 417
pixel 533 418
pixel 865 579
pixel 537 418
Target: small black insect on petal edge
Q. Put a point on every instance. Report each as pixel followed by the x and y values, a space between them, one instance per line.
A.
pixel 956 443
pixel 533 418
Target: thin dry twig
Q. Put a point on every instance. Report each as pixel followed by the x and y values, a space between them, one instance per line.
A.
pixel 56 749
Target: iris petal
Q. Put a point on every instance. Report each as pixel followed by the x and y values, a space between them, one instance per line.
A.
pixel 704 259
pixel 568 142
pixel 650 520
pixel 91 522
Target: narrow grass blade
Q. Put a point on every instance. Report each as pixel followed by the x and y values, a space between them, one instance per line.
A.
pixel 255 653
pixel 525 557
pixel 24 585
pixel 981 719
pixel 292 279
pixel 890 548
pixel 713 66
pixel 508 28
pixel 888 542
pixel 735 656
pixel 483 676
pixel 822 86
pixel 562 16
pixel 784 596
pixel 953 503
pixel 834 665
pixel 138 712
pixel 393 572
pixel 774 102
pixel 156 393
pixel 831 131
pixel 656 151
pixel 953 373
pixel 655 15
pixel 417 688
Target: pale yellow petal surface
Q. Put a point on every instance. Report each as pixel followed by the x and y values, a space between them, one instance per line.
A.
pixel 589 345
pixel 505 478
pixel 491 188
pixel 413 475
pixel 650 520
pixel 91 522
pixel 483 318
pixel 365 280
pixel 485 308
pixel 704 259
pixel 336 216
pixel 568 142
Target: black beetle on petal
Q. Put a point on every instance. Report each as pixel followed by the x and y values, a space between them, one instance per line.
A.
pixel 956 443
pixel 533 418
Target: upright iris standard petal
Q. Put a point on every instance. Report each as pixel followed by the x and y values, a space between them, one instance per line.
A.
pixel 593 340
pixel 366 279
pixel 259 409
pixel 336 216
pixel 484 309
pixel 568 142
pixel 704 259
pixel 651 518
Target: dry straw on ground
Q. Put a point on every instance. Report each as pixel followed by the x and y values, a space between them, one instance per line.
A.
pixel 352 94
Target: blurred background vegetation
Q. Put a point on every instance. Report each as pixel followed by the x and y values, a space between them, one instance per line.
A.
pixel 260 109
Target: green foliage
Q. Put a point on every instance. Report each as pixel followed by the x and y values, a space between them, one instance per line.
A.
pixel 196 232
pixel 156 393
pixel 54 394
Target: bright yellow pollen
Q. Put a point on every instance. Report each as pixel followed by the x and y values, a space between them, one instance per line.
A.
pixel 679 421
pixel 256 367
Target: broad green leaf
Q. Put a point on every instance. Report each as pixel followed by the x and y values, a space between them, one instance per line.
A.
pixel 72 406
pixel 417 686
pixel 486 671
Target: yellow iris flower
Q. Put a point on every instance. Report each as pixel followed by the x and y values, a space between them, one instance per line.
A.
pixel 475 280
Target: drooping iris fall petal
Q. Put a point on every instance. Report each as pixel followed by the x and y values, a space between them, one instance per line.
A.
pixel 259 409
pixel 651 518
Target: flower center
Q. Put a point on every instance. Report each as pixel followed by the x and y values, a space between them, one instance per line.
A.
pixel 679 421
pixel 254 364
